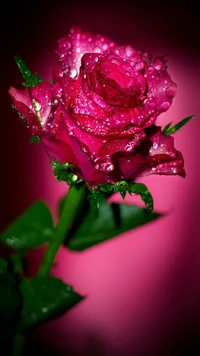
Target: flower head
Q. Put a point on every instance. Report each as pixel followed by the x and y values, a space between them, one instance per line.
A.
pixel 99 115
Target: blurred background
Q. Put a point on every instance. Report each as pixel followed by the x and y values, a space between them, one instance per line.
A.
pixel 142 288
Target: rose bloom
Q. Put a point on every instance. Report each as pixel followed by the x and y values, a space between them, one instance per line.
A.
pixel 100 111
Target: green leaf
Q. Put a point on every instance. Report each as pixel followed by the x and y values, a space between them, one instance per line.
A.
pixel 45 298
pixel 169 131
pixel 31 81
pixel 35 139
pixel 33 228
pixel 142 190
pixel 113 219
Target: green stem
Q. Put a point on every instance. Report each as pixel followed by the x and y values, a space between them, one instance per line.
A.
pixel 18 344
pixel 73 202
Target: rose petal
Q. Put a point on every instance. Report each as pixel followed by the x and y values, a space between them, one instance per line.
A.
pixel 42 94
pixel 34 104
pixel 66 149
pixel 160 84
pixel 124 145
pixel 156 155
pixel 22 102
pixel 131 167
pixel 72 48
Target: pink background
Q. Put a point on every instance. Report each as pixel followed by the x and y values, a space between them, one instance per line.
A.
pixel 143 290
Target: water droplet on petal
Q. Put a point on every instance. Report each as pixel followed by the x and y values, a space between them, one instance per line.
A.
pixel 97 50
pixel 67 45
pixel 84 149
pixel 155 145
pixel 105 47
pixel 151 69
pixel 173 155
pixel 130 51
pixel 73 73
pixel 104 165
pixel 165 105
pixel 159 67
pixel 139 66
pixel 171 91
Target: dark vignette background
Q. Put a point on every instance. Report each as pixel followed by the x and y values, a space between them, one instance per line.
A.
pixel 27 29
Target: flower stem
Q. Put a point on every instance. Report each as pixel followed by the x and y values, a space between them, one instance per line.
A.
pixel 18 344
pixel 73 202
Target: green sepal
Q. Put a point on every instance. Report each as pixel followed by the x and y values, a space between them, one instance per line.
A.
pixel 30 80
pixel 142 190
pixel 123 187
pixel 35 139
pixel 94 198
pixel 64 172
pixel 170 130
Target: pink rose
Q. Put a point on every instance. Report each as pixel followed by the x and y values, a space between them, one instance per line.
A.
pixel 100 112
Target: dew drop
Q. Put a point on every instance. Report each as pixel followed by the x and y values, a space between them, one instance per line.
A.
pixel 159 67
pixel 139 66
pixel 130 51
pixel 155 145
pixel 103 165
pixel 73 73
pixel 151 69
pixel 10 241
pixel 128 148
pixel 67 45
pixel 84 149
pixel 74 178
pixel 97 50
pixel 173 155
pixel 47 232
pixel 171 91
pixel 44 310
pixel 105 47
pixel 78 50
pixel 165 105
